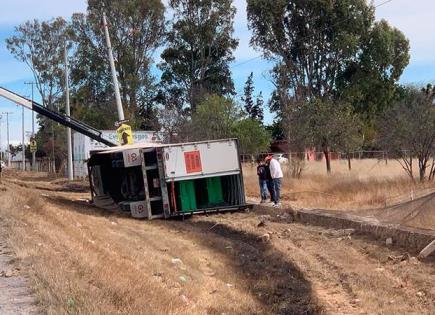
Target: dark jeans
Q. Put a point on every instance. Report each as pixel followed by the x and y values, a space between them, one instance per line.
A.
pixel 270 189
pixel 276 190
pixel 263 188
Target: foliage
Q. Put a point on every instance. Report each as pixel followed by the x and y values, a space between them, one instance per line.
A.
pixel 136 30
pixel 199 49
pixel 257 111
pixel 40 45
pixel 173 122
pixel 247 97
pixel 15 149
pixel 215 118
pixel 101 117
pixel 407 130
pixel 51 142
pixel 218 117
pixel 253 109
pixel 253 138
pixel 331 49
pixel 370 84
pixel 276 130
pixel 323 124
pixel 305 37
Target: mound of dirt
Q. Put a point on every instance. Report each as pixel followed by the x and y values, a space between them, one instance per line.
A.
pixel 419 213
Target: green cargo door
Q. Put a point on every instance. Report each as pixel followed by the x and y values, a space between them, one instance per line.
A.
pixel 214 189
pixel 187 196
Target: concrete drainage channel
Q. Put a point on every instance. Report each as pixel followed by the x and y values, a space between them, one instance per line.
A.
pixel 415 241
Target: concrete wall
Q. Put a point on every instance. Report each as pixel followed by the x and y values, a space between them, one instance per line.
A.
pixel 413 240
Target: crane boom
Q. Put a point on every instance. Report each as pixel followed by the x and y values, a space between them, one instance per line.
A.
pixel 64 120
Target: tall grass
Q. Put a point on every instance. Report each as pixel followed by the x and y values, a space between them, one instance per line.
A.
pixel 371 183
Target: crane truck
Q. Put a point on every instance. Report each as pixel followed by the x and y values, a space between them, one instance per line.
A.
pixel 155 180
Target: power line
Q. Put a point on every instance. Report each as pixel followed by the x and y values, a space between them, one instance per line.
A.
pixel 381 4
pixel 306 37
pixel 246 61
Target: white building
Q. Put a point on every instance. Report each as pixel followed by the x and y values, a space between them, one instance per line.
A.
pixel 82 145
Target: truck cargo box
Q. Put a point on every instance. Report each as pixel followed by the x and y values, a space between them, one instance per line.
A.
pixel 166 180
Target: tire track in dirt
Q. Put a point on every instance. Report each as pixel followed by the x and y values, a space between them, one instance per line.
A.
pixel 336 283
pixel 92 228
pixel 345 275
pixel 350 275
pixel 333 295
pixel 191 235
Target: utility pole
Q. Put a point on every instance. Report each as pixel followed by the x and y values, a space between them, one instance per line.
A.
pixel 68 113
pixel 112 67
pixel 33 126
pixel 1 152
pixel 7 131
pixel 23 165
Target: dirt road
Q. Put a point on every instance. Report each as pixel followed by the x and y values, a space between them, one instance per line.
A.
pixel 83 260
pixel 15 294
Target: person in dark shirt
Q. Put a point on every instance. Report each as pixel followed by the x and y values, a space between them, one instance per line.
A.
pixel 262 179
pixel 269 180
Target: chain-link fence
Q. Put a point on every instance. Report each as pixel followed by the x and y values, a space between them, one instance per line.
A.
pixel 319 156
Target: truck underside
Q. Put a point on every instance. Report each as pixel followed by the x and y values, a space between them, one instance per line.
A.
pixel 157 181
pixel 146 190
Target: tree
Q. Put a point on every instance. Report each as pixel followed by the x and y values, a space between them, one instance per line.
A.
pixel 199 49
pixel 136 29
pixel 215 118
pixel 313 40
pixel 253 109
pixel 253 137
pixel 247 97
pixel 40 45
pixel 218 117
pixel 370 83
pixel 15 149
pixel 94 114
pixel 407 130
pixel 276 130
pixel 322 124
pixel 318 47
pixel 257 111
pixel 51 142
pixel 173 124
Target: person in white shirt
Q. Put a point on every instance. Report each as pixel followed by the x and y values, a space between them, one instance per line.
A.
pixel 276 174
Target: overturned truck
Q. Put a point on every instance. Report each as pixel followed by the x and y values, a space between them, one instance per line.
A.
pixel 168 180
pixel 157 180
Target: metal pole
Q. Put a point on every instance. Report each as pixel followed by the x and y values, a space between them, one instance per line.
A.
pixel 33 127
pixel 7 132
pixel 112 67
pixel 1 152
pixel 33 133
pixel 68 113
pixel 23 166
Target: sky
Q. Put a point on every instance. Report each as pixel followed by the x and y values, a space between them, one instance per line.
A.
pixel 413 18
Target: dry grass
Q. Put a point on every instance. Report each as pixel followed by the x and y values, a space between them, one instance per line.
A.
pixel 85 261
pixel 370 184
